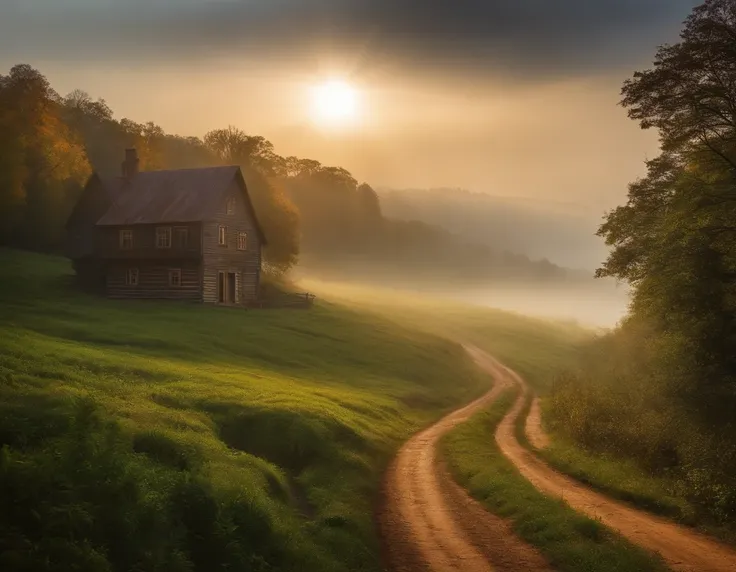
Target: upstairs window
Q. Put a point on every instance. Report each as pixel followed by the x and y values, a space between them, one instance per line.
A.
pixel 181 235
pixel 163 237
pixel 126 239
pixel 242 240
pixel 175 277
pixel 222 236
pixel 131 277
pixel 230 205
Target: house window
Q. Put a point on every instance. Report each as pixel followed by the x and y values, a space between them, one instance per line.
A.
pixel 182 237
pixel 131 277
pixel 175 277
pixel 126 239
pixel 163 237
pixel 242 240
pixel 223 236
pixel 230 205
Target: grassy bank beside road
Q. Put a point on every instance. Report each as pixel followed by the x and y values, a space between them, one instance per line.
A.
pixel 570 542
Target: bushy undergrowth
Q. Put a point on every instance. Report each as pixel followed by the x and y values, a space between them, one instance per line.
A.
pixel 623 403
pixel 86 501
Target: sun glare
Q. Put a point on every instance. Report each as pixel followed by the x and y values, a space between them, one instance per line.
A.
pixel 334 104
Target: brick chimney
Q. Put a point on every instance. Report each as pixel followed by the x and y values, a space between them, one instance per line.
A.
pixel 130 165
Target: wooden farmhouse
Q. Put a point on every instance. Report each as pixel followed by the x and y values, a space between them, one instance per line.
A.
pixel 188 234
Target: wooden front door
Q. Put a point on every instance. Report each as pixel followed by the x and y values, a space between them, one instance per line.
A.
pixel 221 294
pixel 231 287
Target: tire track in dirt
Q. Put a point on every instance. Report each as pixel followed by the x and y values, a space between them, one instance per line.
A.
pixel 533 427
pixel 682 549
pixel 430 524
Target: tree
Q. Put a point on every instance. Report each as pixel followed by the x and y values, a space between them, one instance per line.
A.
pixel 148 140
pixel 675 239
pixel 233 146
pixel 43 163
pixel 689 95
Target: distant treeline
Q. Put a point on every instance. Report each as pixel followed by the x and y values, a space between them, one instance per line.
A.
pixel 50 144
pixel 539 229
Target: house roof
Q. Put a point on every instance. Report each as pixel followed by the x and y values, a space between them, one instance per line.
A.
pixel 181 195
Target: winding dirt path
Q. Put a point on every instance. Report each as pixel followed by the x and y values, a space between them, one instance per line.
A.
pixel 430 524
pixel 683 549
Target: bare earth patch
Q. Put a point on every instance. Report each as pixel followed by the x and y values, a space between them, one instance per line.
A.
pixel 683 549
pixel 533 428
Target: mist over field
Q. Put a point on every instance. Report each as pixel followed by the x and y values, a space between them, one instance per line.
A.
pixel 591 303
pixel 597 306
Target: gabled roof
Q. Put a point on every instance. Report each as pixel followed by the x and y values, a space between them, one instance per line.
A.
pixel 181 195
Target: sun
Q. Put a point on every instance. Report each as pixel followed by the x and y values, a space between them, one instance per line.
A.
pixel 335 103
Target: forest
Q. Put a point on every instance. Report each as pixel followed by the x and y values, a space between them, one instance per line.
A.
pixel 312 213
pixel 661 389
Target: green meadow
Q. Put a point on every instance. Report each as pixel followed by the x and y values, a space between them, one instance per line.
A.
pixel 168 436
pixel 164 436
pixel 538 349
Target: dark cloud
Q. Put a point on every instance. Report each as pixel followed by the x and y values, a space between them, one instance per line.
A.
pixel 524 35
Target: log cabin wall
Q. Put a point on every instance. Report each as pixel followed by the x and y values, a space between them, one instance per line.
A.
pixel 154 280
pixel 144 244
pixel 219 259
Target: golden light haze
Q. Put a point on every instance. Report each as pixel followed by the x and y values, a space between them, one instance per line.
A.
pixel 336 104
pixel 556 141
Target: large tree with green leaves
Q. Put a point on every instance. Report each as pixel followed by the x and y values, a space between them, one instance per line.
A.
pixel 675 239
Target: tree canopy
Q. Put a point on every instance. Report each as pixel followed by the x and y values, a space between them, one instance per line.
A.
pixel 675 239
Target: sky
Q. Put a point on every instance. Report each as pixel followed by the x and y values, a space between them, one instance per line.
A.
pixel 510 97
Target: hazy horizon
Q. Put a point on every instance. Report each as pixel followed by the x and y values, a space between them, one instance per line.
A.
pixel 484 98
pixel 481 97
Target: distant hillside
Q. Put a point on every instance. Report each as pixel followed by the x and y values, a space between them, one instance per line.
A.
pixel 561 233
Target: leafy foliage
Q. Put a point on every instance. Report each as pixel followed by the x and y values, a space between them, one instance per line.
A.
pixel 42 161
pixel 665 382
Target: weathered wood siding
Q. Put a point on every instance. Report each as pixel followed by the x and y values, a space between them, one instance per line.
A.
pixel 153 280
pixel 246 264
pixel 144 242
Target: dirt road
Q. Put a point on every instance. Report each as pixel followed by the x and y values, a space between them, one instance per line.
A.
pixel 683 549
pixel 428 523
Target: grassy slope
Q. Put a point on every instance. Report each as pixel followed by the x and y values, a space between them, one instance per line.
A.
pixel 287 417
pixel 570 542
pixel 536 348
pixel 227 425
